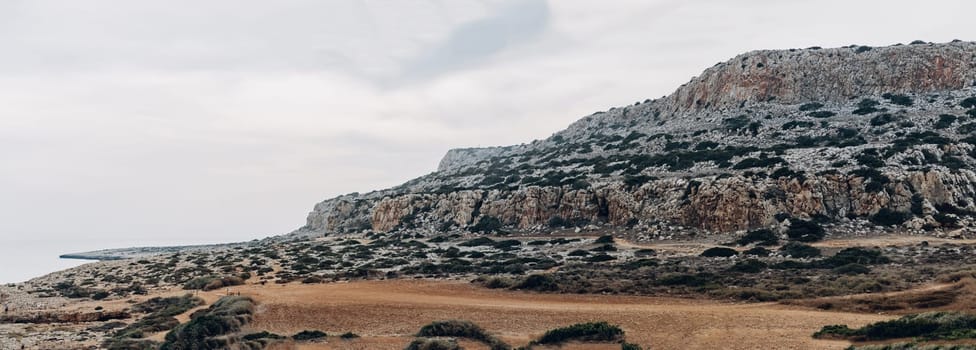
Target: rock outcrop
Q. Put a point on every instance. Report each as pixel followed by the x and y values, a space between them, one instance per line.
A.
pixel 827 133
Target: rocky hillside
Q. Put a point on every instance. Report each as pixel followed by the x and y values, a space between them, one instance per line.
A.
pixel 880 136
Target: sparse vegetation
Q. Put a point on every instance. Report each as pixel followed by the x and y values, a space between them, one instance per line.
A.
pixel 805 231
pixel 462 329
pixel 586 332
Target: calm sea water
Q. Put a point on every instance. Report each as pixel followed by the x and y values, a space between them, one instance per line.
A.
pixel 24 258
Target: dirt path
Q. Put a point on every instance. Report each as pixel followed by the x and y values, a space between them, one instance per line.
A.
pixel 386 313
pixel 888 241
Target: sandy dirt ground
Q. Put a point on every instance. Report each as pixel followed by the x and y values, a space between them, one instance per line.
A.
pixel 889 241
pixel 387 313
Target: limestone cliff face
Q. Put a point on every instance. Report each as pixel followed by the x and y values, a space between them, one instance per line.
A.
pixel 712 204
pixel 828 75
pixel 830 133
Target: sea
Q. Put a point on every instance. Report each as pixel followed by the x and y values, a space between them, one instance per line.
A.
pixel 23 258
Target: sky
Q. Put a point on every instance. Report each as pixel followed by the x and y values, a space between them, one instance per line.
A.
pixel 227 120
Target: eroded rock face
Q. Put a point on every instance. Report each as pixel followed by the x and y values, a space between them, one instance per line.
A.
pixel 890 128
pixel 726 204
pixel 828 75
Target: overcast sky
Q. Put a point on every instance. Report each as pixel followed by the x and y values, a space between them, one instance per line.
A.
pixel 208 121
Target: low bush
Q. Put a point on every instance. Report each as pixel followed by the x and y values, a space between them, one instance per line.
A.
pixel 629 346
pixel 462 329
pixel 211 283
pixel 309 335
pixel 805 231
pixel 851 269
pixel 719 252
pixel 926 326
pixel 585 332
pixel 757 251
pixel 433 344
pixel 888 217
pixel 799 250
pixel 811 106
pixel 206 327
pixel 898 99
pixel 748 266
pixel 261 335
pixel 480 241
pixel 856 255
pixel 762 237
pixel 538 282
pixel 487 224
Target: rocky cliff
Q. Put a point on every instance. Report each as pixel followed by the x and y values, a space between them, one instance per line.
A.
pixel 856 133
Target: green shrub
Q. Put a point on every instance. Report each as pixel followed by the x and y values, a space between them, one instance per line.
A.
pixel 749 266
pixel 538 282
pixel 697 280
pixel 882 119
pixel 205 328
pixel 261 335
pixel 762 237
pixel 811 106
pixel 945 121
pixel 629 346
pixel 433 344
pixel 480 241
pixel 797 124
pixel 607 239
pixel 487 224
pixel 898 99
pixel 600 258
pixel 719 252
pixel 799 250
pixel 309 335
pixel 822 114
pixel 968 102
pixel 557 221
pixel 926 326
pixel 805 231
pixel 586 332
pixel 856 255
pixel 852 269
pixel 757 251
pixel 866 106
pixel 888 217
pixel 462 329
pixel 211 282
pixel 348 335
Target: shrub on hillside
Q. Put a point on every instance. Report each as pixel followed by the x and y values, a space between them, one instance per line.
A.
pixel 586 332
pixel 462 329
pixel 748 266
pixel 538 282
pixel 433 344
pixel 856 255
pixel 206 327
pixel 487 224
pixel 719 252
pixel 799 250
pixel 888 217
pixel 309 335
pixel 762 237
pixel 805 231
pixel 928 326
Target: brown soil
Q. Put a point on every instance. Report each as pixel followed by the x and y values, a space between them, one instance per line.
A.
pixel 386 313
pixel 892 240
